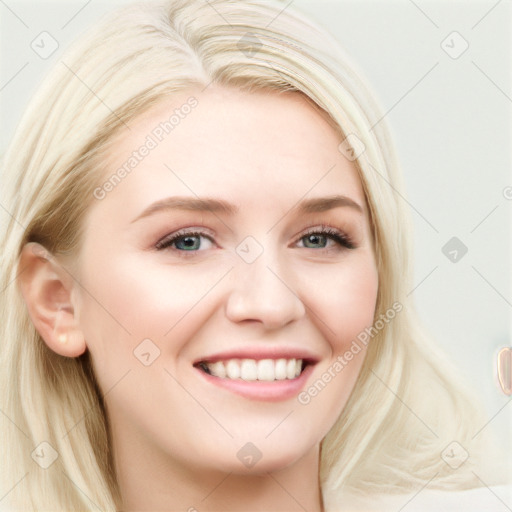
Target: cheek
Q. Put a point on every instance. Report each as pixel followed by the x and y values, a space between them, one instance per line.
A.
pixel 129 300
pixel 344 299
pixel 343 307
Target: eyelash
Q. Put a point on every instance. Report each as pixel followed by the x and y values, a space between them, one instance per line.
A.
pixel 342 239
pixel 339 237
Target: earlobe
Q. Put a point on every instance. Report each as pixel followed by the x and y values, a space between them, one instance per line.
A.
pixel 46 287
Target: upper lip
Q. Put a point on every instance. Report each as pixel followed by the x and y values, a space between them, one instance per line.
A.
pixel 259 353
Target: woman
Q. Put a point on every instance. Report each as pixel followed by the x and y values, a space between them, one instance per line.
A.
pixel 206 275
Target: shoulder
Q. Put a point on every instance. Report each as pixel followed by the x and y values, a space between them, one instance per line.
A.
pixel 491 499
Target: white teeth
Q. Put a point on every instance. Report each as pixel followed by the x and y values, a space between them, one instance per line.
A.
pixel 290 368
pixel 266 369
pixel 280 369
pixel 232 369
pixel 218 369
pixel 298 367
pixel 251 369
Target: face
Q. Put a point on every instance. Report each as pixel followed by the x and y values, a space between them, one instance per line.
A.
pixel 227 275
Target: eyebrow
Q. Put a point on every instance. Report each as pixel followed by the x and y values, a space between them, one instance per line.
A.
pixel 188 203
pixel 314 205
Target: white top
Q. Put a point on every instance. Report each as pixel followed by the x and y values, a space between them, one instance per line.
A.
pixel 483 499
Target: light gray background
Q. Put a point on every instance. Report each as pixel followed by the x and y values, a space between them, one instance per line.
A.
pixel 451 122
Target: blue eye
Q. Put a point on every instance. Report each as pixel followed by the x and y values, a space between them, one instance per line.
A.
pixel 313 240
pixel 319 239
pixel 188 242
pixel 324 237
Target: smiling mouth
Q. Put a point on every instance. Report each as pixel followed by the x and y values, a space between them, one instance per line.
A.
pixel 267 370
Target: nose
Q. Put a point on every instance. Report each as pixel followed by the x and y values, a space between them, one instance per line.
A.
pixel 261 294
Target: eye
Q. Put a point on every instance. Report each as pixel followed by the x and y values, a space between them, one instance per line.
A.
pixel 325 238
pixel 185 241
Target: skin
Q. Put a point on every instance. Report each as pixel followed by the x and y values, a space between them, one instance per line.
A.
pixel 175 435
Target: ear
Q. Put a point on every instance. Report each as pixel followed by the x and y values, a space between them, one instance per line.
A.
pixel 47 289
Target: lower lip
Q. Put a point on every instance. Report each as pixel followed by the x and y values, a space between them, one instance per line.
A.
pixel 275 391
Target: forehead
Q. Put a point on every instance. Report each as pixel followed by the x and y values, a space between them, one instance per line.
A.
pixel 229 143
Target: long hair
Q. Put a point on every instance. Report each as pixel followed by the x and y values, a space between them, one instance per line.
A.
pixel 406 407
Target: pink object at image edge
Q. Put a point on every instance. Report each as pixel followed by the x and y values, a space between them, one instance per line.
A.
pixel 505 369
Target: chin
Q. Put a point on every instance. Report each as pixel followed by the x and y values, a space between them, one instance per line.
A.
pixel 253 460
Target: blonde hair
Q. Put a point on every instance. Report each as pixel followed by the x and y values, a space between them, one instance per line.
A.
pixel 406 407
